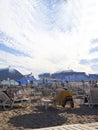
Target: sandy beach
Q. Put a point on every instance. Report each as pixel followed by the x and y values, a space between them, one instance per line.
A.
pixel 30 116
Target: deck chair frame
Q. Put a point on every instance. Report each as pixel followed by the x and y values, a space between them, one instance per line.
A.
pixel 93 97
pixel 8 103
pixel 5 101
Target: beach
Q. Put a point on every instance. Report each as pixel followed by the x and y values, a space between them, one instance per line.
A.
pixel 32 116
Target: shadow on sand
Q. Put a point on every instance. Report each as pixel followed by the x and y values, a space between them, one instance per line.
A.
pixel 40 118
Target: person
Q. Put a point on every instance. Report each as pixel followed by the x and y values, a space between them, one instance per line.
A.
pixel 67 85
pixel 95 84
pixel 54 86
pixel 62 84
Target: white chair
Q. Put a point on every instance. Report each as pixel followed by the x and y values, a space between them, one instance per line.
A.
pixel 93 97
pixel 47 96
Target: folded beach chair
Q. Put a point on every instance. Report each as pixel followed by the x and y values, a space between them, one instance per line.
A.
pixel 93 97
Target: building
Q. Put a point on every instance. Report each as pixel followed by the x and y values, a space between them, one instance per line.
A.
pixel 9 73
pixel 72 76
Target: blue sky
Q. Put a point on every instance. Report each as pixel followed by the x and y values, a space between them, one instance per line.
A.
pixel 49 35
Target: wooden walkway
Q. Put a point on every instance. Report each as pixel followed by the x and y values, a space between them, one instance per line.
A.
pixel 88 126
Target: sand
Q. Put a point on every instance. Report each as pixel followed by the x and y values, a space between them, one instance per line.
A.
pixel 30 116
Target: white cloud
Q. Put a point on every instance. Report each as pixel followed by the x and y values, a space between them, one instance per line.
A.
pixel 55 36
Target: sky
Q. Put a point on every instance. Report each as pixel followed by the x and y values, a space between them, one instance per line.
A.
pixel 41 36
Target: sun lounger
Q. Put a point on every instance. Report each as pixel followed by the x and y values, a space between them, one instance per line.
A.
pixel 8 102
pixel 5 101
